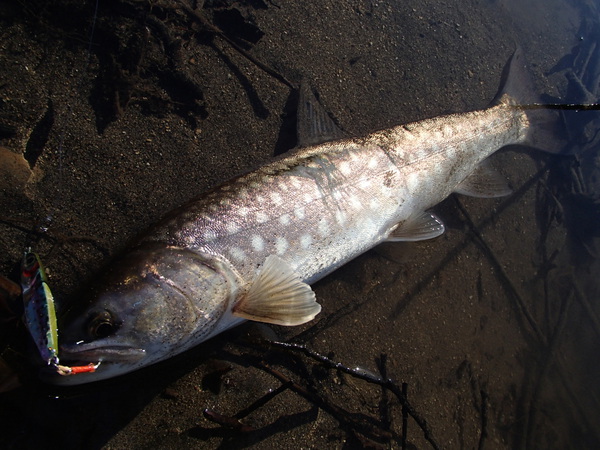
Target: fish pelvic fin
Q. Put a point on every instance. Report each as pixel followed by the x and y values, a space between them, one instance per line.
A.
pixel 418 228
pixel 277 296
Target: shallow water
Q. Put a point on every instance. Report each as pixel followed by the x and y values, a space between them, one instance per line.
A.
pixel 493 326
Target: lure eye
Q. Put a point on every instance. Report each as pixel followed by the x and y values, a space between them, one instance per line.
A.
pixel 102 325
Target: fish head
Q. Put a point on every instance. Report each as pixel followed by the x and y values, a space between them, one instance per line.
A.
pixel 153 303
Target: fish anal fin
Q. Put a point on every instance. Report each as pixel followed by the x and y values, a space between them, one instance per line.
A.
pixel 418 228
pixel 484 182
pixel 277 296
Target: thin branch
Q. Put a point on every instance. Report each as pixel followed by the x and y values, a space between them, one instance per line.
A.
pixel 369 378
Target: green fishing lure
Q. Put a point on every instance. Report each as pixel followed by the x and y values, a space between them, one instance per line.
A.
pixel 40 314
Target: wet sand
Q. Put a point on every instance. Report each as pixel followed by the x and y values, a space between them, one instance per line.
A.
pixel 491 326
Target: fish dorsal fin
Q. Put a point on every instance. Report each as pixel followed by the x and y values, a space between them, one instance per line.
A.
pixel 278 296
pixel 314 126
pixel 484 182
pixel 418 228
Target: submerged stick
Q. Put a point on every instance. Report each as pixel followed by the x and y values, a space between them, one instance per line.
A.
pixel 362 374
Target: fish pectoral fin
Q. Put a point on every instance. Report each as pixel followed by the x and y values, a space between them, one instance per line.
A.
pixel 418 228
pixel 484 182
pixel 278 296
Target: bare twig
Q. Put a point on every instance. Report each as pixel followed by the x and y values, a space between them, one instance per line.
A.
pixel 339 413
pixel 509 286
pixel 213 29
pixel 227 421
pixel 368 377
pixel 404 417
pixel 484 419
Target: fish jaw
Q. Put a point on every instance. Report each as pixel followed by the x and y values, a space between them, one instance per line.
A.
pixel 154 303
pixel 111 359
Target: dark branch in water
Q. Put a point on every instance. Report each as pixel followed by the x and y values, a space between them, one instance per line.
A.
pixel 337 412
pixel 563 106
pixel 213 29
pixel 387 383
pixel 227 421
pixel 484 419
pixel 404 417
pixel 263 400
pixel 509 286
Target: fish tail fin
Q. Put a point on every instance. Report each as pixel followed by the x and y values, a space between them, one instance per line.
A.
pixel 516 86
pixel 516 89
pixel 547 131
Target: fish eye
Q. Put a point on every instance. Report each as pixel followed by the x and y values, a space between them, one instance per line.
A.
pixel 102 325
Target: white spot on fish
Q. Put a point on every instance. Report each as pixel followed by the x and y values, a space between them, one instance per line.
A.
pixel 365 184
pixel 337 195
pixel 296 182
pixel 345 168
pixel 299 212
pixel 277 198
pixel 233 227
pixel 306 240
pixel 340 217
pixel 243 211
pixel 372 163
pixel 355 203
pixel 237 253
pixel 261 217
pixel 258 243
pixel 281 245
pixel 323 227
pixel 374 203
pixel 308 197
pixel 285 219
pixel 412 181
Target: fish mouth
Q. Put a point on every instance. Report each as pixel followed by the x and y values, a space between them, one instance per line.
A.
pixel 85 362
pixel 105 352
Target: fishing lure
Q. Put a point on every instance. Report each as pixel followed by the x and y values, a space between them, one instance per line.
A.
pixel 40 314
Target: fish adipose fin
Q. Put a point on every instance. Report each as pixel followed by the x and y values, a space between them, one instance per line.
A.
pixel 314 126
pixel 418 228
pixel 278 296
pixel 484 182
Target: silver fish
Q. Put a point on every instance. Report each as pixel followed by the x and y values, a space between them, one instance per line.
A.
pixel 250 248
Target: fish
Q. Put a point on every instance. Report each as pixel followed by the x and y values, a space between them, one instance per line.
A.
pixel 250 248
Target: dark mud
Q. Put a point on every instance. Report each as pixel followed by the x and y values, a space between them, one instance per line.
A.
pixel 492 328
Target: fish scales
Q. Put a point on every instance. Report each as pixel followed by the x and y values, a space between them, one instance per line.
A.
pixel 325 204
pixel 250 248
